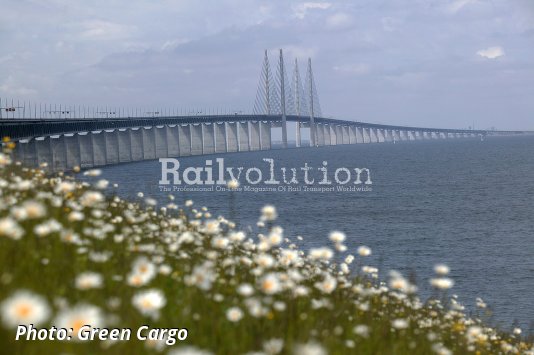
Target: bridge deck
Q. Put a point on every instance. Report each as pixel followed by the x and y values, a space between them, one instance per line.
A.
pixel 18 129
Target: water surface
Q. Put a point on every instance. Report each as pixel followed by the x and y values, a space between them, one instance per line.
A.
pixel 466 203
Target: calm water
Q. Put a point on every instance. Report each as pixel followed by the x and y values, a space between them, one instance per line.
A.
pixel 468 204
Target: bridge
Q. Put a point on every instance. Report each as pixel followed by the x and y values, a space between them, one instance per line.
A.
pixel 63 138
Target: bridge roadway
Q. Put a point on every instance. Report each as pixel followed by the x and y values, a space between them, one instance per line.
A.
pixel 62 144
pixel 18 129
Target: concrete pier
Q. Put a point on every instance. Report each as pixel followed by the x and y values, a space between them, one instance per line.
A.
pixel 254 136
pixel 243 136
pixel 231 135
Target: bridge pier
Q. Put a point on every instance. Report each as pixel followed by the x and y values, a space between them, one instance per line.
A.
pixel 334 135
pixel 59 153
pixel 329 135
pixel 85 143
pixel 231 134
pixel 255 136
pixel 99 148
pixel 184 139
pixel 125 145
pixel 352 134
pixel 72 154
pixel 323 134
pixel 265 135
pixel 42 147
pixel 243 137
pixel 208 142
pixel 366 134
pixel 419 135
pixel 359 135
pixel 148 143
pixel 220 137
pixel 72 149
pixel 196 139
pixel 161 148
pixel 29 153
pixel 380 136
pixel 339 135
pixel 173 143
pixel 373 136
pixel 112 147
pixel 136 148
pixel 388 137
pixel 346 135
pixel 298 139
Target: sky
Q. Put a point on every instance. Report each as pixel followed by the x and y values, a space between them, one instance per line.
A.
pixel 432 63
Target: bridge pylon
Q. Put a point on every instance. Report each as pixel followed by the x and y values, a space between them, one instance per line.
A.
pixel 282 81
pixel 314 107
pixel 301 107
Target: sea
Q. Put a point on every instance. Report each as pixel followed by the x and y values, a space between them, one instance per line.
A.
pixel 466 203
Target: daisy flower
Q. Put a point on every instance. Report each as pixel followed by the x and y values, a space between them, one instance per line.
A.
pixel 24 307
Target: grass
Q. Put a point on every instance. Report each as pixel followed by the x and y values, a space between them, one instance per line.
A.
pixel 235 294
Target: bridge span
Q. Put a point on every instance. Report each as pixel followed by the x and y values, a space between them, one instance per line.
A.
pixel 76 137
pixel 86 143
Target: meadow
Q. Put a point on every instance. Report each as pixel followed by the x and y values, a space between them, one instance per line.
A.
pixel 72 254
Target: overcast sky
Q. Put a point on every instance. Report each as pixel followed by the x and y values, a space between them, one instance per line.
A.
pixel 442 63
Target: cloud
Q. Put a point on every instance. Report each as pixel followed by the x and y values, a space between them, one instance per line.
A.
pixel 301 9
pixel 457 5
pixel 292 51
pixel 339 21
pixel 10 87
pixel 104 30
pixel 491 52
pixel 356 69
pixel 390 24
pixel 172 44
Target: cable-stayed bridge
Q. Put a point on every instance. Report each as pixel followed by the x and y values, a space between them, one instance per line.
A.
pixel 67 136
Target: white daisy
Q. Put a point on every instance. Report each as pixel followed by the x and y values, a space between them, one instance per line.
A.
pixel 233 184
pixel 90 198
pixel 337 237
pixel 270 284
pixel 10 228
pixel 24 307
pixel 443 283
pixel 268 213
pixel 399 323
pixel 364 251
pixel 79 316
pixel 234 314
pixel 310 348
pixel 441 269
pixel 328 285
pixel 149 302
pixel 88 280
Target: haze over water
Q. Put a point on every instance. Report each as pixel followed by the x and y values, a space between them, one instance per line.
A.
pixel 465 203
